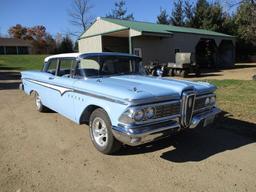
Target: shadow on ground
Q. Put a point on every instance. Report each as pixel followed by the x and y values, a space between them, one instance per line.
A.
pixel 201 143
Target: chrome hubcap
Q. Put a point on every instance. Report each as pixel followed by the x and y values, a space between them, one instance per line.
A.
pixel 100 132
pixel 38 102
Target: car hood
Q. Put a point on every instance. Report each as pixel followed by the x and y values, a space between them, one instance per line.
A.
pixel 139 89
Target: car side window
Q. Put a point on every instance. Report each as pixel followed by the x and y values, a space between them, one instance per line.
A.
pixel 52 66
pixel 65 67
pixel 88 67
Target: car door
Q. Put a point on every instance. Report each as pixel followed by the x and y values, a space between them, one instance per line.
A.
pixel 64 81
pixel 48 91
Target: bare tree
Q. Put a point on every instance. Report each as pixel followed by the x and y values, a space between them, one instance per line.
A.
pixel 80 15
pixel 234 3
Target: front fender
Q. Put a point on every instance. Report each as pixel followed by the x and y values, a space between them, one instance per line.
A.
pixel 82 102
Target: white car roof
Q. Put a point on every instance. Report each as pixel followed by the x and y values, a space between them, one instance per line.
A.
pixel 62 56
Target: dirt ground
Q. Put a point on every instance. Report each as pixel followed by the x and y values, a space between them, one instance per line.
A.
pixel 47 152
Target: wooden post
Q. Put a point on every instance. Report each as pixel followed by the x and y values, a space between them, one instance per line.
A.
pixel 130 42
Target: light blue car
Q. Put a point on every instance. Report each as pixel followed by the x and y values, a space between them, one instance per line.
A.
pixel 122 105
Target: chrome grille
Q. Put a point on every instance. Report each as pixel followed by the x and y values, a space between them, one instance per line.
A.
pixel 188 101
pixel 200 103
pixel 167 110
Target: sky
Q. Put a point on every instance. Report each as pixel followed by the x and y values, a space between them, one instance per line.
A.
pixel 53 14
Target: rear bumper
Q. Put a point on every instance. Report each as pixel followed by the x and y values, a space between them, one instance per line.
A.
pixel 144 134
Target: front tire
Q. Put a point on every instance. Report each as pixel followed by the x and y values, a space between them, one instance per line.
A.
pixel 101 133
pixel 39 106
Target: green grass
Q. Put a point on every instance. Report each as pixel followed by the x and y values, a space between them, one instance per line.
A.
pixel 237 97
pixel 21 62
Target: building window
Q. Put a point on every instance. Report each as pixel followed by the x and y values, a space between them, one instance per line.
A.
pixel 137 51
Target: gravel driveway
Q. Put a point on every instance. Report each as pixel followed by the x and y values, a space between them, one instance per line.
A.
pixel 47 152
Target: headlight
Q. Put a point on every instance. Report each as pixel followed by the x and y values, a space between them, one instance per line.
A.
pixel 138 114
pixel 149 112
pixel 207 101
pixel 213 100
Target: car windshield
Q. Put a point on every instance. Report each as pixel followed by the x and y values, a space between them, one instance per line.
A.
pixel 109 65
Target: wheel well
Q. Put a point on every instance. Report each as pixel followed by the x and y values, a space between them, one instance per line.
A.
pixel 85 117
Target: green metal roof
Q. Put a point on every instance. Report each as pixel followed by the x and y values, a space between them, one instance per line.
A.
pixel 160 28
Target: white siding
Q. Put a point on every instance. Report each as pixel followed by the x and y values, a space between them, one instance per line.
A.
pixel 90 44
pixel 101 26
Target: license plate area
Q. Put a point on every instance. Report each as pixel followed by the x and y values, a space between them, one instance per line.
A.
pixel 209 120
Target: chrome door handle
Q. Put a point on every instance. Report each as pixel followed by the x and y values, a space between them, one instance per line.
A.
pixel 51 78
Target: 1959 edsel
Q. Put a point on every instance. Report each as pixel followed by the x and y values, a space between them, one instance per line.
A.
pixel 122 105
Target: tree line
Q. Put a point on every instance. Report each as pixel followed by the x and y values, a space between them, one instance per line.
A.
pixel 212 16
pixel 202 14
pixel 41 40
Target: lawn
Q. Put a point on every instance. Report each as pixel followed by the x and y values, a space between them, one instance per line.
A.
pixel 237 97
pixel 21 62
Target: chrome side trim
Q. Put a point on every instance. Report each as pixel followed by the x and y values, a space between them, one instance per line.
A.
pixel 62 90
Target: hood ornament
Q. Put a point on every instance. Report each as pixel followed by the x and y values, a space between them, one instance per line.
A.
pixel 134 89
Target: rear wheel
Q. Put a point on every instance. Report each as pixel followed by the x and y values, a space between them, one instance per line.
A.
pixel 101 132
pixel 39 106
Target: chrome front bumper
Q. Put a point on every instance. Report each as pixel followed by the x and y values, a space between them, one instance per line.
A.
pixel 139 135
pixel 21 87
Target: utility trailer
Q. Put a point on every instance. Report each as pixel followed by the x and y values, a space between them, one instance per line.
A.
pixel 184 64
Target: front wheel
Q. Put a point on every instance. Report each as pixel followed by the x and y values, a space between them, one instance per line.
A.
pixel 101 132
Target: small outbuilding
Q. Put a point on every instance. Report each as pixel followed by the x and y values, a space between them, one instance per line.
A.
pixel 14 46
pixel 157 42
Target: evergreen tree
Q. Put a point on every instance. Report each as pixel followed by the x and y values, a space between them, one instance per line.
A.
pixel 246 21
pixel 200 13
pixel 66 45
pixel 120 11
pixel 214 18
pixel 163 17
pixel 189 14
pixel 177 16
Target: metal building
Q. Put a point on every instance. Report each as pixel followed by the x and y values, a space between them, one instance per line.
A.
pixel 157 42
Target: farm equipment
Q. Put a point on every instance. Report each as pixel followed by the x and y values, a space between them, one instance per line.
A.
pixel 185 64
